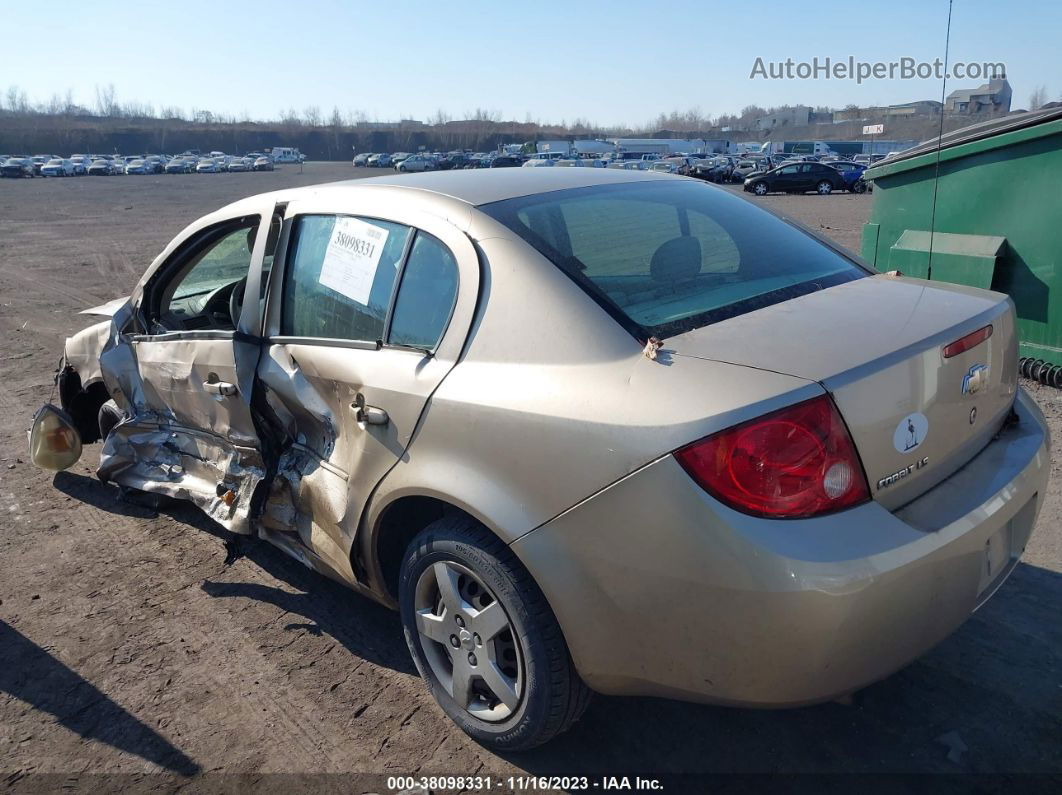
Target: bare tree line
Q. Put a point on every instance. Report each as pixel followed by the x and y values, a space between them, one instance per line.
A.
pixel 60 121
pixel 107 105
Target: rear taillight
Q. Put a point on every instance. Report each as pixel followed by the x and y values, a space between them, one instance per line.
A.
pixel 971 340
pixel 793 463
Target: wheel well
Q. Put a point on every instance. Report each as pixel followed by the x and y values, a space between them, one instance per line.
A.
pixel 83 405
pixel 399 525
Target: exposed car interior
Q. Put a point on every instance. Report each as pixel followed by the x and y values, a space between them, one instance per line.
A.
pixel 202 288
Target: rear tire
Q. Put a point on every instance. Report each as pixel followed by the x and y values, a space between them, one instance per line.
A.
pixel 824 188
pixel 546 695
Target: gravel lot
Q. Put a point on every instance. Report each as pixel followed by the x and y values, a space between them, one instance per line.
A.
pixel 128 647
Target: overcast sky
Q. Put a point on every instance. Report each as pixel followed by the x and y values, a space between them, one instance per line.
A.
pixel 610 62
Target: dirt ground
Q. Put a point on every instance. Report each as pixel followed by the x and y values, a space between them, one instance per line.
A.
pixel 128 648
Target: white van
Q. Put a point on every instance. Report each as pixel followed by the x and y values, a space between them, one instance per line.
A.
pixel 286 154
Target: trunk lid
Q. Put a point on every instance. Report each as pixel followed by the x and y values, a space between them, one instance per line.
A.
pixel 876 345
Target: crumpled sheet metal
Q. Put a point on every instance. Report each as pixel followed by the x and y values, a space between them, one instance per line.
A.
pixel 171 375
pixel 322 499
pixel 305 414
pixel 157 460
pixel 158 385
pixel 82 351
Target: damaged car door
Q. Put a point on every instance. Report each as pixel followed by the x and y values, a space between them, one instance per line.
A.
pixel 183 369
pixel 368 310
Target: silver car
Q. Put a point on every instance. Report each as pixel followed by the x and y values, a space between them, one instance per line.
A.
pixel 586 429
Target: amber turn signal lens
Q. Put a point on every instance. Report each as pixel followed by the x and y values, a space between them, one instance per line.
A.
pixel 54 441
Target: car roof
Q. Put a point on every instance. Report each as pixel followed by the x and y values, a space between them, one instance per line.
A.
pixel 492 185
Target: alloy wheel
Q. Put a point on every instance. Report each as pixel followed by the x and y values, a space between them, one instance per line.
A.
pixel 469 641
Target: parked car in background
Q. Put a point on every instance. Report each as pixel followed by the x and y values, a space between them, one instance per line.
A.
pixel 398 157
pixel 416 163
pixel 286 154
pixel 103 167
pixel 240 164
pixel 453 160
pixel 17 167
pixel 713 169
pixel 210 165
pixel 139 166
pixel 181 165
pixel 361 159
pixel 681 165
pixel 155 164
pixel 818 496
pixel 38 162
pixel 58 167
pixel 263 163
pixel 507 161
pixel 745 168
pixel 863 185
pixel 798 177
pixel 849 171
pixel 868 160
pixel 668 167
pixel 81 164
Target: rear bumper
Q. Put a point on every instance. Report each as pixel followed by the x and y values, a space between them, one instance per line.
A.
pixel 661 590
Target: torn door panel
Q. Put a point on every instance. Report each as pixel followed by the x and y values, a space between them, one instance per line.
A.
pixel 309 496
pixel 307 501
pixel 161 447
pixel 304 414
pixel 173 376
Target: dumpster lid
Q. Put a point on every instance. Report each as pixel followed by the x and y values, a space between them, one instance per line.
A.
pixel 975 132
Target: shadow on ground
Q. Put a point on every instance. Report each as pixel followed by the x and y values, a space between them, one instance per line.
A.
pixel 366 629
pixel 987 700
pixel 31 674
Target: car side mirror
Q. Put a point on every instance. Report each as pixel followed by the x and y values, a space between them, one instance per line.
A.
pixel 54 441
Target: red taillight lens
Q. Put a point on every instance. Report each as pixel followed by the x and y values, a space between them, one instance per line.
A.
pixel 971 340
pixel 793 463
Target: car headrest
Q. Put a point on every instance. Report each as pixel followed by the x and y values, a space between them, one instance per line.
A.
pixel 678 258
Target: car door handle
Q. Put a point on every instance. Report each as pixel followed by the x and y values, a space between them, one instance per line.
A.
pixel 370 415
pixel 220 388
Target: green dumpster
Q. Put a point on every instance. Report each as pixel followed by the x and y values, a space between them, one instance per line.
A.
pixel 997 223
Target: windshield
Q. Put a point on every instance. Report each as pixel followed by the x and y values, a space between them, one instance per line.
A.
pixel 667 257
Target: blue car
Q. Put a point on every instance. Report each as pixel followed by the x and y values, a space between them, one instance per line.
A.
pixel 850 172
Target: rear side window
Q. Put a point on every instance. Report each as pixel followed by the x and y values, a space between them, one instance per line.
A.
pixel 667 257
pixel 340 277
pixel 426 295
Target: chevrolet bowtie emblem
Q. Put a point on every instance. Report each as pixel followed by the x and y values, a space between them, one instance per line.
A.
pixel 976 377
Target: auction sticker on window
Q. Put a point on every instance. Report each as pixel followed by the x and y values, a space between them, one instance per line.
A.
pixel 352 257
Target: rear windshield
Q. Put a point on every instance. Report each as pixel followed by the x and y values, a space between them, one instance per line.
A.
pixel 667 257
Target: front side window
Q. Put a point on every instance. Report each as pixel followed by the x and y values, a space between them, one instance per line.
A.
pixel 340 275
pixel 665 258
pixel 197 295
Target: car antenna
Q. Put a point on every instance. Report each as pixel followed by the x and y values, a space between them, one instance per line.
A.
pixel 940 140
